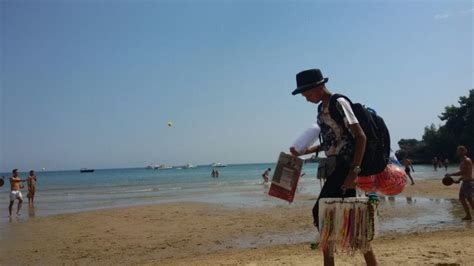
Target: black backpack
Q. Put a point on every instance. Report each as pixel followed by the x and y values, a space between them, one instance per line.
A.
pixel 377 148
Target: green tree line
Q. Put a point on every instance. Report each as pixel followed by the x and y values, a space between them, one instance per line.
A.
pixel 441 141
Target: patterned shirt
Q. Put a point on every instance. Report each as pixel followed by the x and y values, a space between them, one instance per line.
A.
pixel 337 139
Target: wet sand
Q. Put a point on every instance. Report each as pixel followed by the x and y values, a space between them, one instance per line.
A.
pixel 203 234
pixel 431 189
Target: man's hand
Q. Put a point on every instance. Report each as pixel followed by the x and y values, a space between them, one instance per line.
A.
pixel 349 182
pixel 294 152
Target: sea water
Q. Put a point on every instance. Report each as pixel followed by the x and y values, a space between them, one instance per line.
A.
pixel 72 191
pixel 237 186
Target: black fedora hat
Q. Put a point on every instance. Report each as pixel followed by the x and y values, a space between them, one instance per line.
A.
pixel 308 79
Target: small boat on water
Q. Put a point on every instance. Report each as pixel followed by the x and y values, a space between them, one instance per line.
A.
pixel 188 166
pixel 218 165
pixel 164 167
pixel 85 170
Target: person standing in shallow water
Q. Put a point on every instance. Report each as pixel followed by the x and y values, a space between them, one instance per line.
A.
pixel 466 192
pixel 446 164
pixel 407 163
pixel 346 143
pixel 31 181
pixel 434 162
pixel 15 192
pixel 265 175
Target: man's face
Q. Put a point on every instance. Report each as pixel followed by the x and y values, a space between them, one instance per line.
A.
pixel 15 174
pixel 314 95
pixel 460 152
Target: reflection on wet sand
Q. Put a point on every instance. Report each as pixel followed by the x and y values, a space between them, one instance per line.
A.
pixel 31 211
pixel 420 214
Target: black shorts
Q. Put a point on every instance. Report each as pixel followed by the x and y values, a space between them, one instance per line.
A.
pixel 333 184
pixel 407 170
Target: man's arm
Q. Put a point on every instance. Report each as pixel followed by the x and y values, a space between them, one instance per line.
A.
pixel 310 150
pixel 456 174
pixel 313 149
pixel 17 180
pixel 464 171
pixel 360 141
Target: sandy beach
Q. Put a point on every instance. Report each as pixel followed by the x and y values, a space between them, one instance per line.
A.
pixel 211 234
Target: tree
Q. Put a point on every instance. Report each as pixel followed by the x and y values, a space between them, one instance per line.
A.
pixel 458 129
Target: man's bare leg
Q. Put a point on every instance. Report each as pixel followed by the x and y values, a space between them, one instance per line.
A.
pixel 471 202
pixel 466 208
pixel 10 208
pixel 370 258
pixel 328 258
pixel 19 207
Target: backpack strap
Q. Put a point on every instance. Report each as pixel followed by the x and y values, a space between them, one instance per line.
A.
pixel 334 111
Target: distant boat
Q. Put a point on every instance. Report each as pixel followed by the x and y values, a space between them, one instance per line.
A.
pixel 85 170
pixel 149 167
pixel 164 167
pixel 187 166
pixel 218 165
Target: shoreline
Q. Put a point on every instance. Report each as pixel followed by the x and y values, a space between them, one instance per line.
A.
pixel 201 234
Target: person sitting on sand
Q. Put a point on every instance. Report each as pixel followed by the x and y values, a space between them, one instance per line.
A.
pixel 466 192
pixel 31 181
pixel 265 175
pixel 15 193
pixel 407 163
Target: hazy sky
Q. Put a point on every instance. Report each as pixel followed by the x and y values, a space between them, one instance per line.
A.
pixel 94 83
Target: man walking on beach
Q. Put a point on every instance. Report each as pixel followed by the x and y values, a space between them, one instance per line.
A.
pixel 346 144
pixel 15 193
pixel 466 192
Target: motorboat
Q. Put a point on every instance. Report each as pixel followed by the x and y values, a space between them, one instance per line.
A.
pixel 164 167
pixel 188 166
pixel 218 165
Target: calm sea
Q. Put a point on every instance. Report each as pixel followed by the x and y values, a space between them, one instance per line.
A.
pixel 237 185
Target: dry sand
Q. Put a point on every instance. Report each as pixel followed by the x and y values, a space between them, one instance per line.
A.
pixel 202 234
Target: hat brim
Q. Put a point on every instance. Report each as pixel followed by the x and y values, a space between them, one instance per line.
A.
pixel 309 86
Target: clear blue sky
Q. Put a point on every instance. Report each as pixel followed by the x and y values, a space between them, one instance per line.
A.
pixel 94 83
